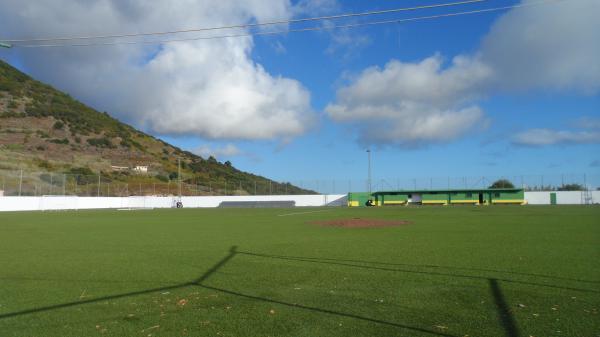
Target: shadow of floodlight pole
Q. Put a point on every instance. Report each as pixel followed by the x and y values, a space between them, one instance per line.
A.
pixel 505 317
pixel 203 277
pixel 198 282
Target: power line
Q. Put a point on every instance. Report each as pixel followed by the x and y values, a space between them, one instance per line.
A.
pixel 249 25
pixel 280 32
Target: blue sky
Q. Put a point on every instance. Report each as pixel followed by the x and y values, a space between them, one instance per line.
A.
pixel 543 123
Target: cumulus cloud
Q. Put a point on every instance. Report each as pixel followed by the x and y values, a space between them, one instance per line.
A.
pixel 542 137
pixel 229 150
pixel 552 47
pixel 413 103
pixel 213 89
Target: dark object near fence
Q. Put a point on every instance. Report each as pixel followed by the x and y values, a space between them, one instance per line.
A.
pixel 257 204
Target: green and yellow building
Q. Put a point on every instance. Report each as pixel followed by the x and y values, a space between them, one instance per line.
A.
pixel 440 197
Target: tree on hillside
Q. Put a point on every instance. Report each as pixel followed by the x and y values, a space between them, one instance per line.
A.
pixel 571 187
pixel 502 183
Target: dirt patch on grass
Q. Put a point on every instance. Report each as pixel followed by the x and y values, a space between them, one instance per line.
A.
pixel 360 223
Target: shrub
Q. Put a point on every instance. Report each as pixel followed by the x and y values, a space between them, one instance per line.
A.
pixel 571 187
pixel 59 141
pixel 42 134
pixel 502 183
pixel 101 142
pixel 58 125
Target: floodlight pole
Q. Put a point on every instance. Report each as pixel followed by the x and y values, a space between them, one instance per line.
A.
pixel 369 174
pixel 179 175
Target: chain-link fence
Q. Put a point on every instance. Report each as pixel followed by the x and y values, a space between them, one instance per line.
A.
pixel 25 183
pixel 531 182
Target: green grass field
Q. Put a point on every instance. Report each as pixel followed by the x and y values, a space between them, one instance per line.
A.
pixel 455 271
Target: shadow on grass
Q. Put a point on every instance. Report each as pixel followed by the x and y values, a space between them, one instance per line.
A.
pixel 332 262
pixel 198 282
pixel 425 266
pixel 326 311
pixel 504 315
pixel 207 274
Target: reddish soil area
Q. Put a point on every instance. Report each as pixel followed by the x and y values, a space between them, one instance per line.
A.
pixel 361 223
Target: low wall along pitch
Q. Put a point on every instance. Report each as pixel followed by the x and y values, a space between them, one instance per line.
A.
pixel 44 203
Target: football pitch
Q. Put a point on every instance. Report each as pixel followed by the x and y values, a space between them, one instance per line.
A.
pixel 451 271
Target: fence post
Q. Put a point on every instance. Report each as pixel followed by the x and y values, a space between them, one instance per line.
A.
pixel 20 182
pixel 255 187
pixel 64 184
pixel 98 185
pixel 522 183
pixel 542 188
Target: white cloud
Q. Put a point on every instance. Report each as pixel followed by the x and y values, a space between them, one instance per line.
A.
pixel 229 150
pixel 347 41
pixel 552 47
pixel 212 89
pixel 588 122
pixel 542 137
pixel 315 7
pixel 413 103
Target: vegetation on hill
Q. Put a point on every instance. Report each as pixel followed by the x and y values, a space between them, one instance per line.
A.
pixel 502 183
pixel 43 129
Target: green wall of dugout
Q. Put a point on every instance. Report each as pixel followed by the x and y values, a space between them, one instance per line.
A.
pixel 487 196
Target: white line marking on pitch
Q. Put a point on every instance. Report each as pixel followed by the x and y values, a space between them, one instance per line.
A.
pixel 288 214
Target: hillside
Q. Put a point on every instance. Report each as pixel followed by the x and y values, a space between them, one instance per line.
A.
pixel 45 130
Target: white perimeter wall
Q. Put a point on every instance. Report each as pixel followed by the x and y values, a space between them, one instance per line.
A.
pixel 562 197
pixel 58 203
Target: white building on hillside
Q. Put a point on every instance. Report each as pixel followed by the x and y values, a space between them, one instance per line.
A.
pixel 140 169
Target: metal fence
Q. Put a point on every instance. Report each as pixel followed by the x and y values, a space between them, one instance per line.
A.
pixel 531 182
pixel 25 183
